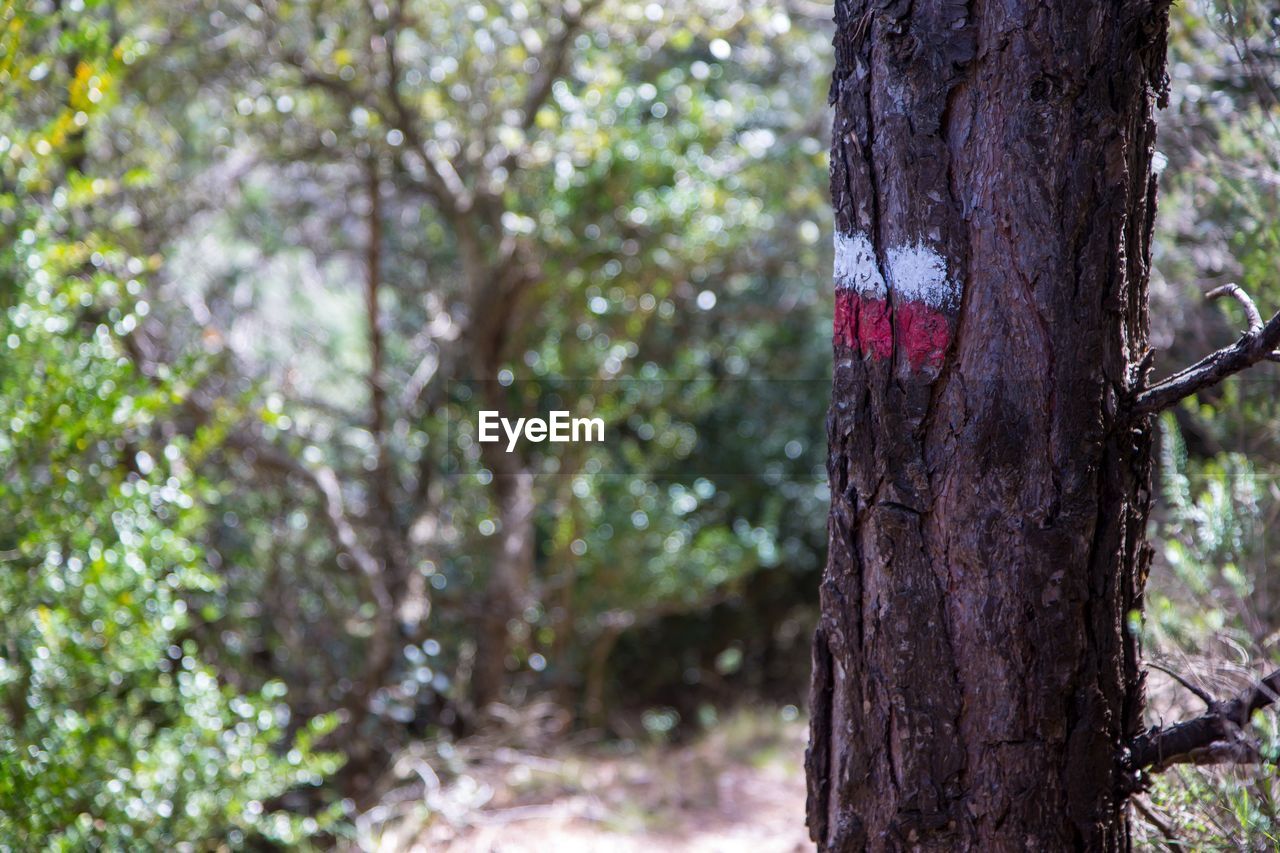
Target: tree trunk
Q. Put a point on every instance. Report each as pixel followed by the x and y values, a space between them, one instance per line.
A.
pixel 380 649
pixel 507 591
pixel 974 674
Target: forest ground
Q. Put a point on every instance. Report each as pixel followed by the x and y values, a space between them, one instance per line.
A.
pixel 739 786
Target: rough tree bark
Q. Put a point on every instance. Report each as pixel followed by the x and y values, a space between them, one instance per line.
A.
pixel 974 678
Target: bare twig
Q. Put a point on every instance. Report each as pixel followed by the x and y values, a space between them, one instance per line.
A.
pixel 445 184
pixel 326 484
pixel 1255 345
pixel 822 13
pixel 442 182
pixel 1250 309
pixel 1200 694
pixel 1170 837
pixel 552 62
pixel 1215 737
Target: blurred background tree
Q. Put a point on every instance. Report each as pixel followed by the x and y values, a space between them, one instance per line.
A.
pixel 362 222
pixel 265 260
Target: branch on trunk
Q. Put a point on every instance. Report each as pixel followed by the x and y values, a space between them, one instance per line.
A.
pixel 821 13
pixel 444 182
pixel 1257 343
pixel 552 61
pixel 325 482
pixel 1215 737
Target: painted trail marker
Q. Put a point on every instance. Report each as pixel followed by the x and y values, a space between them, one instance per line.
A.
pixel 913 297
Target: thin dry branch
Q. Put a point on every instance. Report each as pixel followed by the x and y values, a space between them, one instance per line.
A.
pixel 1256 344
pixel 552 62
pixel 1170 836
pixel 444 182
pixel 1215 737
pixel 1199 693
pixel 1246 302
pixel 325 482
pixel 822 13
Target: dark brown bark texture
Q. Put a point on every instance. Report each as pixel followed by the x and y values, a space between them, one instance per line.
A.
pixel 974 677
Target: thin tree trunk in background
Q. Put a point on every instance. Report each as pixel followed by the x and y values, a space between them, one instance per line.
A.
pixel 507 591
pixel 512 565
pixel 358 772
pixel 380 478
pixel 382 505
pixel 974 677
pixel 597 670
pixel 563 569
pixel 382 486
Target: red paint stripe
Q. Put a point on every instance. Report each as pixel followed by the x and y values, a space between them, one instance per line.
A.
pixel 845 330
pixel 868 325
pixel 876 329
pixel 924 332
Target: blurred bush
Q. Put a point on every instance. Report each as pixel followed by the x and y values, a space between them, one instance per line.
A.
pixel 114 732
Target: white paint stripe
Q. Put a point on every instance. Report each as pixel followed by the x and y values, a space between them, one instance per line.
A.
pixel 856 266
pixel 916 273
pixel 919 274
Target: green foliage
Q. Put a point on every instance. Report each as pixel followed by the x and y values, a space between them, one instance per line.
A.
pixel 1211 598
pixel 1202 618
pixel 185 390
pixel 1213 520
pixel 113 730
pixel 668 192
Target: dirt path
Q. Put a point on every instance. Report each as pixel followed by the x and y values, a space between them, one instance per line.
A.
pixel 738 788
pixel 760 810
